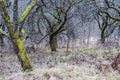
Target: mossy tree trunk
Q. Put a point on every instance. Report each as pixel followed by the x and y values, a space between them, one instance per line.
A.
pixel 21 52
pixel 103 37
pixel 1 34
pixel 103 29
pixel 13 28
pixel 53 43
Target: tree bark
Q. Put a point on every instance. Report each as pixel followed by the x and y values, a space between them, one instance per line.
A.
pixel 1 40
pixel 68 43
pixel 53 43
pixel 22 54
pixel 102 37
pixel 20 50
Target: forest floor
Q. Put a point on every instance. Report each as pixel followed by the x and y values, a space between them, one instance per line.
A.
pixel 77 64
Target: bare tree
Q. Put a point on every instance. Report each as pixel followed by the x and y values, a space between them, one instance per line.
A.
pixel 55 14
pixel 106 19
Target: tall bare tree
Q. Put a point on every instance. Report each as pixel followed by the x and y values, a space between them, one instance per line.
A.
pixel 106 19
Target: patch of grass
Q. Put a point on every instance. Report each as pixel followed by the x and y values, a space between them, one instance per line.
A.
pixel 79 64
pixel 85 50
pixel 94 50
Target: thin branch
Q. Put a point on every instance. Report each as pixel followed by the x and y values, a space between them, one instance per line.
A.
pixel 49 23
pixel 27 11
pixel 112 7
pixel 5 15
pixel 43 38
pixel 105 12
pixel 4 33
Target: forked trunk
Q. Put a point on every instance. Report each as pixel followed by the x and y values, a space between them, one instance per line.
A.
pixel 14 27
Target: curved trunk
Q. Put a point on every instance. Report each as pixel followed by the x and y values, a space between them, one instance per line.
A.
pixel 21 52
pixel 53 43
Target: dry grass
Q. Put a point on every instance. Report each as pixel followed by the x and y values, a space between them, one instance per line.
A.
pixel 82 64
